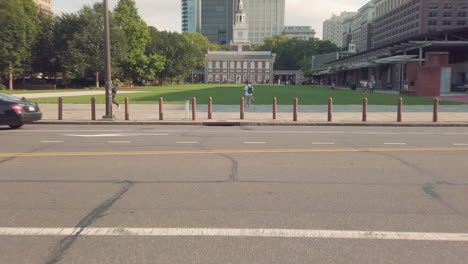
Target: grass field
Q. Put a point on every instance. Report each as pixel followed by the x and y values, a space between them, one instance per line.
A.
pixel 231 94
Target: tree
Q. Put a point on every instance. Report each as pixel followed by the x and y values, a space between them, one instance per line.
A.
pixel 181 55
pixel 43 51
pixel 19 20
pixel 89 42
pixel 294 54
pixel 137 37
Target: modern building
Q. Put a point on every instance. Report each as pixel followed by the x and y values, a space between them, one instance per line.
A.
pixel 216 20
pixel 299 32
pixel 241 64
pixel 399 20
pixel 191 15
pixel 265 18
pixel 361 27
pixel 45 5
pixel 333 28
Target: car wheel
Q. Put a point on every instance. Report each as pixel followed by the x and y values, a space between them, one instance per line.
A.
pixel 16 125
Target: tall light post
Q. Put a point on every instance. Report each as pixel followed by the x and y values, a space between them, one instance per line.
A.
pixel 108 67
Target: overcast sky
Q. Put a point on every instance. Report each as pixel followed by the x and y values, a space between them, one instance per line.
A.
pixel 165 14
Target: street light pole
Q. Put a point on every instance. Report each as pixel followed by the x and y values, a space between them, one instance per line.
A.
pixel 107 62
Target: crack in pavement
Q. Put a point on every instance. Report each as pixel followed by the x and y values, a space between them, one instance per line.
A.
pixel 431 190
pixel 63 245
pixel 234 170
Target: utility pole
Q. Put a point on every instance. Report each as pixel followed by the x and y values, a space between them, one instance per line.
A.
pixel 108 66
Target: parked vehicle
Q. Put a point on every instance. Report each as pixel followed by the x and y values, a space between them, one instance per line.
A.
pixel 14 112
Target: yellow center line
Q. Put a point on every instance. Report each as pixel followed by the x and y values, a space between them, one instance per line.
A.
pixel 233 151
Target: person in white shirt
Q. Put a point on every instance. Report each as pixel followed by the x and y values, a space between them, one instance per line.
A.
pixel 249 90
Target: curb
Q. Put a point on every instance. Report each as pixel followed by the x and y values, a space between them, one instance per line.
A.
pixel 251 123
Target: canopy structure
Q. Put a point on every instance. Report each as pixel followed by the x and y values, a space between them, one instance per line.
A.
pixel 399 59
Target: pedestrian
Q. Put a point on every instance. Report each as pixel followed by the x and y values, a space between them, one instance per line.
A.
pixel 371 86
pixel 333 85
pixel 249 90
pixel 114 93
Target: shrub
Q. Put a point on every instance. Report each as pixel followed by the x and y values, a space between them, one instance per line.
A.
pixel 2 87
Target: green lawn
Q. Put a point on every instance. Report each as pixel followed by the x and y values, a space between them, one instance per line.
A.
pixel 230 94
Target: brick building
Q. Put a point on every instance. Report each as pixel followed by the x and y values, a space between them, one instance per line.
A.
pixel 241 64
pixel 45 5
pixel 402 19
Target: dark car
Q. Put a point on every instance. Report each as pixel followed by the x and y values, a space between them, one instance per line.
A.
pixel 14 112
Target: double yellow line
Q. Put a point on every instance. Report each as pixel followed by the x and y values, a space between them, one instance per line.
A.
pixel 232 151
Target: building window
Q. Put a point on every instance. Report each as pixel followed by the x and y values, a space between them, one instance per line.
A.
pixel 245 65
pixel 239 65
pixel 267 65
pixel 217 65
pixel 447 23
pixel 210 64
pixel 231 65
pixel 252 65
pixel 225 64
pixel 210 77
pixel 217 78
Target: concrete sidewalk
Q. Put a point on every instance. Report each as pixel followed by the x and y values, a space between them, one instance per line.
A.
pixel 261 113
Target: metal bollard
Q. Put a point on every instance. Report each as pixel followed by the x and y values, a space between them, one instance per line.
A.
pixel 400 110
pixel 330 109
pixel 242 108
pixel 194 108
pixel 275 108
pixel 60 108
pixel 364 110
pixel 435 117
pixel 296 108
pixel 210 108
pixel 187 109
pixel 127 114
pixel 93 108
pixel 161 108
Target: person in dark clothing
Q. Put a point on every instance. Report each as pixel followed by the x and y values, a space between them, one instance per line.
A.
pixel 114 93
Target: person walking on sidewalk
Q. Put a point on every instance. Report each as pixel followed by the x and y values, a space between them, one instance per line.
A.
pixel 114 94
pixel 249 90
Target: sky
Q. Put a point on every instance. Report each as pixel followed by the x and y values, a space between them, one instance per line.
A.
pixel 165 14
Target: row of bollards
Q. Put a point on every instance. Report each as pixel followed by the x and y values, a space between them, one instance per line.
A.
pixel 242 109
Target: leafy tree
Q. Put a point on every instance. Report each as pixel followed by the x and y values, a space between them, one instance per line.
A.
pixel 181 55
pixel 294 54
pixel 19 27
pixel 137 37
pixel 43 51
pixel 66 28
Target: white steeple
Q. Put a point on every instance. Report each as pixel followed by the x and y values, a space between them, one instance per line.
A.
pixel 241 28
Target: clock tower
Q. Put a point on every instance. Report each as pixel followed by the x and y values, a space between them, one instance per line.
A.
pixel 241 28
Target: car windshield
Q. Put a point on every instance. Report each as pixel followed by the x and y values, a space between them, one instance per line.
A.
pixel 9 98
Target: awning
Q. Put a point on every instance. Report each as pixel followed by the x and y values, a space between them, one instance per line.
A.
pixel 366 64
pixel 396 59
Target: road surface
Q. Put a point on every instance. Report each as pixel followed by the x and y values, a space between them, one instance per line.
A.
pixel 181 194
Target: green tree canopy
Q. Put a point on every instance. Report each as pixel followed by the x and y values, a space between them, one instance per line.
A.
pixel 294 54
pixel 18 31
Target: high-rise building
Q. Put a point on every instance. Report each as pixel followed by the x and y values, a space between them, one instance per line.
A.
pixel 216 20
pixel 333 28
pixel 265 18
pixel 191 15
pixel 45 5
pixel 403 19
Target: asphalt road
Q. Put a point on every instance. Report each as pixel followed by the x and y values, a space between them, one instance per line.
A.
pixel 180 194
